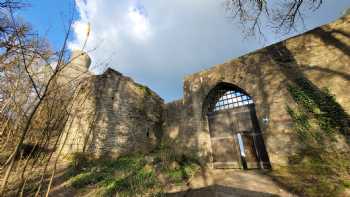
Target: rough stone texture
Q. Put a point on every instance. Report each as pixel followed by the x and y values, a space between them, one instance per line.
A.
pixel 173 113
pixel 320 55
pixel 77 68
pixel 113 116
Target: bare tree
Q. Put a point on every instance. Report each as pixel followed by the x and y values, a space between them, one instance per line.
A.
pixel 280 15
pixel 35 105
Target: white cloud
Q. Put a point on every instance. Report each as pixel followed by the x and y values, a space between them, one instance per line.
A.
pixel 158 42
pixel 139 23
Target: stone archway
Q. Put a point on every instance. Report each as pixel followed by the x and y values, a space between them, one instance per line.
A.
pixel 236 139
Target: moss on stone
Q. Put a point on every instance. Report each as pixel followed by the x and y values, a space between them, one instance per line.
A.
pixel 145 89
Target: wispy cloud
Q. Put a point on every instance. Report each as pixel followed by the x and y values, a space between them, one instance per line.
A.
pixel 158 42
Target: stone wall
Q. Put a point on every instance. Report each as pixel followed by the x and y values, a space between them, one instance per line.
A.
pixel 173 113
pixel 321 56
pixel 76 70
pixel 114 116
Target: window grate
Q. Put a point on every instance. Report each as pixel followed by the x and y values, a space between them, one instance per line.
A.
pixel 231 99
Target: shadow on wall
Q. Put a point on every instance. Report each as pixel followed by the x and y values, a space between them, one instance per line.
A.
pixel 198 98
pixel 328 37
pixel 266 75
pixel 219 191
pixel 326 70
pixel 317 121
pixel 127 117
pixel 327 104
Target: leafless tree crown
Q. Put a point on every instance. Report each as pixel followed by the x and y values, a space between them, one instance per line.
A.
pixel 283 16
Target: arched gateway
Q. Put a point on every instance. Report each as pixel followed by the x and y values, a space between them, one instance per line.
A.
pixel 236 139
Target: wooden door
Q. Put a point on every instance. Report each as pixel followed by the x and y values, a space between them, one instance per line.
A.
pixel 236 139
pixel 225 149
pixel 244 126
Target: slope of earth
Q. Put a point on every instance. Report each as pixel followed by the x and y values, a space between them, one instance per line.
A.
pixel 225 183
pixel 180 178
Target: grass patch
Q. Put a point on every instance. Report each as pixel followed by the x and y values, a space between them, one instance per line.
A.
pixel 129 175
pixel 108 174
pixel 184 172
pixel 139 182
pixel 176 168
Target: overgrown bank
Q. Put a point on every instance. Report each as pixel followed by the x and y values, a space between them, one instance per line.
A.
pixel 132 175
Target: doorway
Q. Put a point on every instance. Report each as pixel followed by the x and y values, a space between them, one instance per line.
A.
pixel 236 139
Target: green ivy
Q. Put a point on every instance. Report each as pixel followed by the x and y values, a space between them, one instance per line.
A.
pixel 322 104
pixel 317 169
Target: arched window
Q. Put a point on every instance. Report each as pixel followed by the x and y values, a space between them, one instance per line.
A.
pixel 232 99
pixel 227 96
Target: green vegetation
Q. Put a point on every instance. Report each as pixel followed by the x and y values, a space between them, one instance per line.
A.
pixel 320 167
pixel 176 168
pixel 183 172
pixel 132 174
pixel 145 89
pixel 322 105
pixel 125 176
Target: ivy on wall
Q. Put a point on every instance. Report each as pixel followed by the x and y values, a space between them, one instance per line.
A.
pixel 319 167
pixel 322 105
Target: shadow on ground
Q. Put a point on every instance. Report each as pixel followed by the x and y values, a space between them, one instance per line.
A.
pixel 220 191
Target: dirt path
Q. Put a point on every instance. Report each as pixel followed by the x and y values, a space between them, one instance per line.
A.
pixel 225 183
pixel 207 183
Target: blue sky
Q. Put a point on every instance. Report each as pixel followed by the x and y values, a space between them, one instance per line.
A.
pixel 49 18
pixel 157 42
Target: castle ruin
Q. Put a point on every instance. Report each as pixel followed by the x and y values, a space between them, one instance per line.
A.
pixel 231 111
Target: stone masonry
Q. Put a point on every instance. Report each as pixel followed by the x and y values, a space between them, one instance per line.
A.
pixel 321 55
pixel 112 115
pixel 119 116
